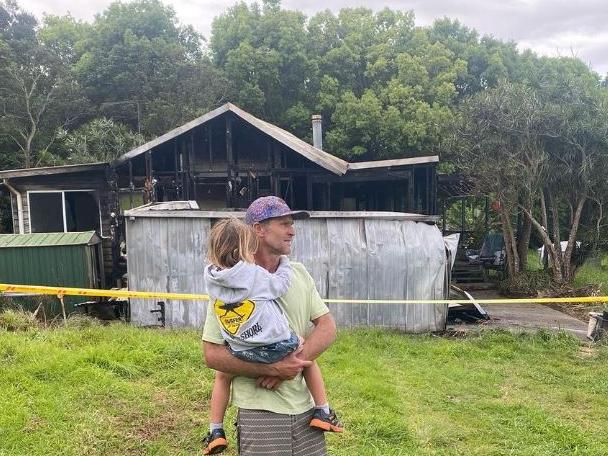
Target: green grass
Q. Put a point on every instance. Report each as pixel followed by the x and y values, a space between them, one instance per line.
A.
pixel 120 390
pixel 594 271
pixel 533 261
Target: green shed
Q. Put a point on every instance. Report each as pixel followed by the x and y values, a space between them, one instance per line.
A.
pixel 53 259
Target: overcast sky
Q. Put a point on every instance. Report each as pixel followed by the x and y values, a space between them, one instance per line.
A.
pixel 549 27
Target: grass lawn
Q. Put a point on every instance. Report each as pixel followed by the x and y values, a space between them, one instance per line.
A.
pixel 119 390
pixel 594 270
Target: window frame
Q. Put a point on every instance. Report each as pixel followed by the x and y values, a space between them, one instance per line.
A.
pixel 63 192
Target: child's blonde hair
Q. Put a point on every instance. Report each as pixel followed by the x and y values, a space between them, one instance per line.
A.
pixel 231 241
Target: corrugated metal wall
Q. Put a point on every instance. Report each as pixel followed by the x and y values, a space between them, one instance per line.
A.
pixel 52 265
pixel 355 258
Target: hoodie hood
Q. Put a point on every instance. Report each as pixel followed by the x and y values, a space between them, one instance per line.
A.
pixel 230 285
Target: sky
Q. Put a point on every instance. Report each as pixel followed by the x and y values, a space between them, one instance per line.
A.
pixel 548 27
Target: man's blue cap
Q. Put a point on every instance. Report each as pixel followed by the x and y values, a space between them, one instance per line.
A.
pixel 268 207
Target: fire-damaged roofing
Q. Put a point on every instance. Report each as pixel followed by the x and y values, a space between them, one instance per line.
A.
pixel 327 161
pixel 395 162
pixel 47 170
pixel 324 159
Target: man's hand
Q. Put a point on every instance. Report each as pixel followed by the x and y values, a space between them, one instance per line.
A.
pixel 289 367
pixel 269 383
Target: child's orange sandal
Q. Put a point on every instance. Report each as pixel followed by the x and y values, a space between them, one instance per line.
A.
pixel 215 442
pixel 327 422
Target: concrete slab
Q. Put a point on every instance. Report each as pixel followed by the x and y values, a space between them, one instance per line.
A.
pixel 525 317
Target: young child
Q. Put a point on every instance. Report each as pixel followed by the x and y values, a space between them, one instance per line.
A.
pixel 252 323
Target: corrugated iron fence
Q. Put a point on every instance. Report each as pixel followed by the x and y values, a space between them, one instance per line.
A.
pixel 361 256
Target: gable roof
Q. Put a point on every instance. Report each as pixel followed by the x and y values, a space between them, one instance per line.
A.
pixel 329 162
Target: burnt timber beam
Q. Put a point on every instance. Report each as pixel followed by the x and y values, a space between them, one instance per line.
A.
pixel 192 164
pixel 230 160
pixel 210 146
pixel 176 161
pixel 131 185
pixel 308 193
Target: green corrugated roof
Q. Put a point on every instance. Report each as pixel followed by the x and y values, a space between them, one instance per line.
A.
pixel 48 239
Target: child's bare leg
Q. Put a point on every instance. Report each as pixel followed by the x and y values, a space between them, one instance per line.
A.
pixel 323 417
pixel 220 397
pixel 315 384
pixel 215 441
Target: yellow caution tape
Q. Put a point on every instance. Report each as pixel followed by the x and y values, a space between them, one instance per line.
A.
pixel 91 292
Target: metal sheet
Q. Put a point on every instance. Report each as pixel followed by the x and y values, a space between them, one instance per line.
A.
pixel 354 258
pixel 347 275
pixel 167 255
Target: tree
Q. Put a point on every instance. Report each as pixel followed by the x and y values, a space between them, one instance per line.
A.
pixel 38 94
pixel 137 59
pixel 100 140
pixel 499 146
pixel 65 36
pixel 264 52
pixel 576 141
pixel 541 152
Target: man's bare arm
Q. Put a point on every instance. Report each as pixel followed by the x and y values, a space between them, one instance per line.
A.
pixel 321 337
pixel 219 358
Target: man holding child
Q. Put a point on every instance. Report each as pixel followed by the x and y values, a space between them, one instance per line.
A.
pixel 274 402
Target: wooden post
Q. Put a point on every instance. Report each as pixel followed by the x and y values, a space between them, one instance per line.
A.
pixel 434 192
pixel 229 159
pixel 149 185
pixel 275 185
pixel 63 308
pixel 309 193
pixel 176 160
pixel 443 217
pixel 210 145
pixel 410 192
pixel 192 164
pixel 277 155
pixel 184 168
pixel 269 156
pixel 148 163
pixel 131 185
pixel 427 190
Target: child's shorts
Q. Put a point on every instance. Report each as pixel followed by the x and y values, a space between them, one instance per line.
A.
pixel 271 353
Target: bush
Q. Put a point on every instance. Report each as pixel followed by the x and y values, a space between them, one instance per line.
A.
pixel 17 320
pixel 527 283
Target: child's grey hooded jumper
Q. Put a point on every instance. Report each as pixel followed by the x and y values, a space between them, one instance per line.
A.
pixel 243 299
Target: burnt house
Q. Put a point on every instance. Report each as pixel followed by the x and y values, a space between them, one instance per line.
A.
pixel 222 160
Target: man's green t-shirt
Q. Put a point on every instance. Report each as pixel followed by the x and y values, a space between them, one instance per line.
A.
pixel 301 304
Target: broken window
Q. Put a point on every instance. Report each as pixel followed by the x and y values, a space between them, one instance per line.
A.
pixel 52 212
pixel 46 212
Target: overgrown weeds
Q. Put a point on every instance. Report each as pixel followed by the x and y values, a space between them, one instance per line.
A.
pixel 527 284
pixel 17 320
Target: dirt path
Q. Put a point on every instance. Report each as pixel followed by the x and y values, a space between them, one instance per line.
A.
pixel 524 317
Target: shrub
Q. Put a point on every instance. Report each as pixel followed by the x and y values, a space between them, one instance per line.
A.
pixel 17 320
pixel 527 283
